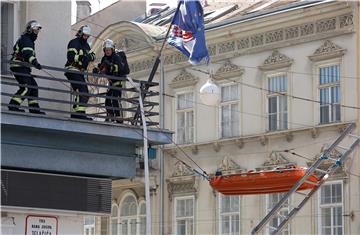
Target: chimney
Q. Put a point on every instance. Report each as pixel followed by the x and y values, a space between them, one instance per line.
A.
pixel 83 10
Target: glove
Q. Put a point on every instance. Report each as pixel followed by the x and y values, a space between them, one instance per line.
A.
pixel 36 64
pixel 85 59
pixel 107 65
pixel 91 56
pixel 96 70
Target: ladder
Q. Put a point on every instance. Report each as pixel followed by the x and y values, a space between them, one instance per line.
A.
pixel 322 176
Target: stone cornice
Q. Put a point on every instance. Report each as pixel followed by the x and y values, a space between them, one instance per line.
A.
pixel 228 70
pixel 328 50
pixel 184 79
pixel 275 61
pixel 229 166
pixel 337 21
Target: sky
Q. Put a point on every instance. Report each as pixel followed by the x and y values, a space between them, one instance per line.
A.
pixel 97 5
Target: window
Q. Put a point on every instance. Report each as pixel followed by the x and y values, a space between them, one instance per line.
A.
pixel 142 219
pixel 185 118
pixel 89 225
pixel 230 111
pixel 277 102
pixel 331 209
pixel 184 215
pixel 7 34
pixel 229 215
pixel 114 220
pixel 329 89
pixel 272 199
pixel 128 216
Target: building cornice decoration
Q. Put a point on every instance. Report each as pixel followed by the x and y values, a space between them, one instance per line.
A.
pixel 275 159
pixel 327 50
pixel 228 70
pixel 184 79
pixel 182 186
pixel 181 170
pixel 229 166
pixel 183 181
pixel 278 38
pixel 275 61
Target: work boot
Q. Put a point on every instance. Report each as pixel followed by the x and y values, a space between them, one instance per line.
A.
pixel 16 109
pixel 79 116
pixel 15 106
pixel 36 110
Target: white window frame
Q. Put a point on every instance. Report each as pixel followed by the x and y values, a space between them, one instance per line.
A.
pixel 229 103
pixel 220 197
pixel 316 88
pixel 268 95
pixel 140 216
pixel 186 110
pixel 175 200
pixel 331 205
pixel 283 209
pixel 128 218
pixel 114 205
pixel 89 227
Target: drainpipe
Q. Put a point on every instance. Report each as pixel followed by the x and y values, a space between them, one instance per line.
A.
pixel 161 154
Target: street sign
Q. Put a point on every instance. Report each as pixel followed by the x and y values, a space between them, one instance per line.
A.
pixel 41 225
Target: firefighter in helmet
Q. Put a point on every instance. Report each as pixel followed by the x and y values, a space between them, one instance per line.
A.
pixel 113 63
pixel 79 55
pixel 24 51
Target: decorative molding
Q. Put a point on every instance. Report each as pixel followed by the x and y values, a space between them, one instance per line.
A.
pixel 327 50
pixel 263 140
pixel 275 61
pixel 184 79
pixel 240 143
pixel 254 43
pixel 183 181
pixel 181 170
pixel 182 185
pixel 216 146
pixel 229 166
pixel 195 150
pixel 289 136
pixel 314 133
pixel 228 70
pixel 276 159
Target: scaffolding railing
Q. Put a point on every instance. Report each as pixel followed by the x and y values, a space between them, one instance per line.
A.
pixel 98 85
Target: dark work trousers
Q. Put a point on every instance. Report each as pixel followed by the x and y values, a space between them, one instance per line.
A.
pixel 113 104
pixel 31 92
pixel 82 88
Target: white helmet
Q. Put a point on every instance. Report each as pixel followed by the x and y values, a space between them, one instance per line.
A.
pixel 108 43
pixel 31 25
pixel 84 30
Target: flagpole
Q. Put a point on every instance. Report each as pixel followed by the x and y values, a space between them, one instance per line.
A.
pixel 156 63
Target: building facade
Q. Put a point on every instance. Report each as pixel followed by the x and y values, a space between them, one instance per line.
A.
pixel 288 79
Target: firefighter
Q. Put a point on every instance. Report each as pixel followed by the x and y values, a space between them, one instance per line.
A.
pixel 24 51
pixel 113 63
pixel 78 57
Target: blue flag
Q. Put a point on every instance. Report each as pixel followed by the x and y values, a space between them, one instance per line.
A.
pixel 188 31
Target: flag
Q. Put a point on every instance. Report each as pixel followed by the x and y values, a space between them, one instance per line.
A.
pixel 188 31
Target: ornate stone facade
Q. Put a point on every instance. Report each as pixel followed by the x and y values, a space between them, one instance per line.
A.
pixel 327 50
pixel 183 79
pixel 228 70
pixel 257 42
pixel 276 60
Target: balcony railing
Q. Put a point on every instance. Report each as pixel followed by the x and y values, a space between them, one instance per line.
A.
pixel 56 97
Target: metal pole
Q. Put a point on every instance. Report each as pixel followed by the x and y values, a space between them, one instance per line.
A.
pixel 146 159
pixel 161 156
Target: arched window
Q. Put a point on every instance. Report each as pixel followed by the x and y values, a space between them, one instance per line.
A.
pixel 114 220
pixel 128 215
pixel 142 218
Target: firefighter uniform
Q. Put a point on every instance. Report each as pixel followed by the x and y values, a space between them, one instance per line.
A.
pixel 24 51
pixel 114 64
pixel 78 57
